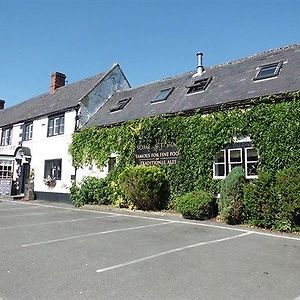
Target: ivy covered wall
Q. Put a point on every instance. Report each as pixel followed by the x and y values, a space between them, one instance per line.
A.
pixel 272 123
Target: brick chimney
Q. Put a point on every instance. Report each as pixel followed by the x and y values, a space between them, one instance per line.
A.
pixel 57 80
pixel 2 102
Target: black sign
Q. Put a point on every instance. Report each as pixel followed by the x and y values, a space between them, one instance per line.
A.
pixel 5 187
pixel 160 154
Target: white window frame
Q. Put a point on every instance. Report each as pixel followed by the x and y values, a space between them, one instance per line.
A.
pixel 6 136
pixel 251 161
pixel 234 163
pixel 6 167
pixel 56 125
pixel 28 129
pixel 220 163
pixel 53 168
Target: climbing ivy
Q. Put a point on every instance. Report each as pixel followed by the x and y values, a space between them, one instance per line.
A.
pixel 271 122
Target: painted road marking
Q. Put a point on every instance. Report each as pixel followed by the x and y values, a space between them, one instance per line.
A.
pixel 174 221
pixel 96 233
pixel 15 208
pixel 36 214
pixel 169 252
pixel 57 222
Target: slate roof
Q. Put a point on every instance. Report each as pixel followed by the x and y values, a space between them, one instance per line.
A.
pixel 64 98
pixel 232 83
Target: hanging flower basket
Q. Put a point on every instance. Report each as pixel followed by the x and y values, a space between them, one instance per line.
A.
pixel 50 181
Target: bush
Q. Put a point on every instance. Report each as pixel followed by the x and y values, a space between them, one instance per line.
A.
pixel 199 205
pixel 287 188
pixel 274 201
pixel 145 187
pixel 91 191
pixel 231 196
pixel 260 201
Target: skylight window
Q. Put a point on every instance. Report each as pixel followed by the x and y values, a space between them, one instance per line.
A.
pixel 199 85
pixel 163 95
pixel 120 105
pixel 268 71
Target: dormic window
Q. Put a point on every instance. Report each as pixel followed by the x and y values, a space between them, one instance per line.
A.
pixel 199 85
pixel 27 132
pixel 6 136
pixel 268 71
pixel 163 95
pixel 244 156
pixel 251 161
pixel 6 169
pixel 220 164
pixel 56 125
pixel 120 105
pixel 53 169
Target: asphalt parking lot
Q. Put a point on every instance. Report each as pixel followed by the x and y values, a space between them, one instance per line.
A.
pixel 53 251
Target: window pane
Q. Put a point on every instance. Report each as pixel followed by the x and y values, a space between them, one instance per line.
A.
pixel 235 155
pixel 220 170
pixel 251 155
pixel 266 71
pixel 163 95
pixel 252 169
pixel 53 169
pixel 56 126
pixel 61 125
pixel 51 127
pixel 220 157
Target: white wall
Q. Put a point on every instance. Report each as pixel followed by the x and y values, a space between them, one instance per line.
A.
pixel 54 147
pixel 15 139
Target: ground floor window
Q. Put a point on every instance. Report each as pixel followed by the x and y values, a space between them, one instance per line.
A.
pixel 243 155
pixel 6 169
pixel 53 169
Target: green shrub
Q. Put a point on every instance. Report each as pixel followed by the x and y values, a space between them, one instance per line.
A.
pixel 231 196
pixel 145 187
pixel 274 201
pixel 287 188
pixel 91 191
pixel 260 201
pixel 199 205
pixel 75 195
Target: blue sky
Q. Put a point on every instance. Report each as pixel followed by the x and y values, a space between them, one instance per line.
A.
pixel 151 39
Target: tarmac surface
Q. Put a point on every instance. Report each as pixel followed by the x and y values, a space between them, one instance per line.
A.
pixel 53 251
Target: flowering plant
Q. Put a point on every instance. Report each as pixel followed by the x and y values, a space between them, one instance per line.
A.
pixel 49 181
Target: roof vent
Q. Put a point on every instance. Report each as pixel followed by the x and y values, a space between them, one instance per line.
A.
pixel 200 68
pixel 2 102
pixel 57 80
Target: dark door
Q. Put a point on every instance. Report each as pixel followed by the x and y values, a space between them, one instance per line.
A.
pixel 24 177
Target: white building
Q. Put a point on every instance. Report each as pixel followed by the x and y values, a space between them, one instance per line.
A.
pixel 36 134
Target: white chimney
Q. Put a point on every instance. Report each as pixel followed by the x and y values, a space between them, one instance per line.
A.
pixel 200 68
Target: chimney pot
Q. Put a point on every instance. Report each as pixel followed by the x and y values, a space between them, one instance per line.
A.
pixel 57 80
pixel 200 68
pixel 2 102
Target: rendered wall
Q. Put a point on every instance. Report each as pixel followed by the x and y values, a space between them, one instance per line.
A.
pixel 113 82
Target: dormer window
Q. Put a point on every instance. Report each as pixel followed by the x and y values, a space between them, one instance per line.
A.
pixel 120 105
pixel 268 71
pixel 163 95
pixel 199 85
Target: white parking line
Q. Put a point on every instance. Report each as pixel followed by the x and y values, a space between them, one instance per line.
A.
pixel 95 233
pixel 175 221
pixel 16 208
pixel 36 214
pixel 169 252
pixel 57 222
